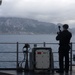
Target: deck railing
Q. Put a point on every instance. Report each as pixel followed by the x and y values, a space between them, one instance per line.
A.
pixel 18 50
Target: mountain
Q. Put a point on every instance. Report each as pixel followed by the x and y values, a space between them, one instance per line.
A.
pixel 12 25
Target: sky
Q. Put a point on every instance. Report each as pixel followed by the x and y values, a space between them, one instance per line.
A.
pixel 53 11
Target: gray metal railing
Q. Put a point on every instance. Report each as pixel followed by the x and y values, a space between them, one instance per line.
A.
pixel 16 52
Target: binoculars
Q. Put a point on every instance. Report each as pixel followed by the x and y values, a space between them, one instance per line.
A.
pixel 59 27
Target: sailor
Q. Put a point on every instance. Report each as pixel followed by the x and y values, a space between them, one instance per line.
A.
pixel 64 38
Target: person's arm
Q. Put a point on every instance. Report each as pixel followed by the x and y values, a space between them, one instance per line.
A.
pixel 70 36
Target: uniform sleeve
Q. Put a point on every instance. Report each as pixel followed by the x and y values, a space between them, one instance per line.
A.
pixel 70 35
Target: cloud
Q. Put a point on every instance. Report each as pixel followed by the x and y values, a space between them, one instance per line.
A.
pixel 44 10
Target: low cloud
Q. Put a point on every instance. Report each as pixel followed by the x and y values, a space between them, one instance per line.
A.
pixel 44 10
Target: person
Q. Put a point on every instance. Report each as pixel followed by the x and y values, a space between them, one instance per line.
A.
pixel 64 38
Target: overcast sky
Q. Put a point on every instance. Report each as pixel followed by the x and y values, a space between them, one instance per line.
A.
pixel 54 11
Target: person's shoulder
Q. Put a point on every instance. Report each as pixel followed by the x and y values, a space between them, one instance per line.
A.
pixel 70 33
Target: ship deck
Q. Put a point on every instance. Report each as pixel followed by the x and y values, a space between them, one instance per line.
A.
pixel 31 73
pixel 15 72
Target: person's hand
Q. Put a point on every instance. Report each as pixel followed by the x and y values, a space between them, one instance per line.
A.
pixel 58 32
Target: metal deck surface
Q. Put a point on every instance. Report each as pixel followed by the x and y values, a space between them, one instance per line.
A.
pixel 14 72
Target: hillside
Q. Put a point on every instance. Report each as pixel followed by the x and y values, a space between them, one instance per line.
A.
pixel 11 25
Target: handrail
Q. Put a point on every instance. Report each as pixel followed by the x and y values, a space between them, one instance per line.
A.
pixel 44 44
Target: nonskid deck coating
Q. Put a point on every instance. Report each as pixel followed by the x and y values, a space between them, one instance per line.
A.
pixel 14 72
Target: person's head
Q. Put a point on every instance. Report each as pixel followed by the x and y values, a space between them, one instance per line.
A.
pixel 65 26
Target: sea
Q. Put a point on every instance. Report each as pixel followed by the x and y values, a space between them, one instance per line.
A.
pixel 8 45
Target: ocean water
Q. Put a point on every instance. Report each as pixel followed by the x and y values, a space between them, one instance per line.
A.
pixel 28 38
pixel 25 39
